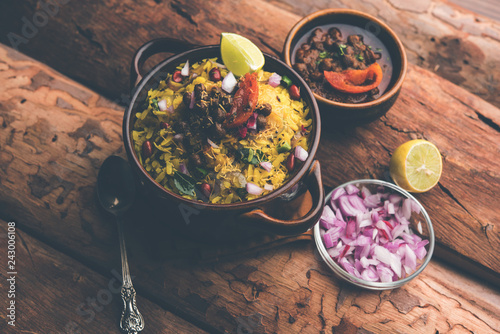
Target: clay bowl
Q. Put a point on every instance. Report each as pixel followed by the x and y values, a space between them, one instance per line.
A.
pixel 367 25
pixel 291 209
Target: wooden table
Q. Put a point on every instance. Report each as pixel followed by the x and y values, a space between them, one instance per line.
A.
pixel 56 132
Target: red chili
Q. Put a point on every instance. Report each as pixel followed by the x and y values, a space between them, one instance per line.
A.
pixel 294 92
pixel 147 149
pixel 214 74
pixel 177 76
pixel 244 101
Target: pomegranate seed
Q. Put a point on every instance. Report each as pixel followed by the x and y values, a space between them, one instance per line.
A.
pixel 147 149
pixel 177 76
pixel 290 162
pixel 243 132
pixel 294 92
pixel 164 125
pixel 214 74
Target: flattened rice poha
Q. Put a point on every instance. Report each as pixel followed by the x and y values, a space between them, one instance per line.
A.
pixel 201 139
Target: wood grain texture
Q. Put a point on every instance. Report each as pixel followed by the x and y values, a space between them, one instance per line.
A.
pixel 57 294
pixel 94 41
pixel 56 133
pixel 488 8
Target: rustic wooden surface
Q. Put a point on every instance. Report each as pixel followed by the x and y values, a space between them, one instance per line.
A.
pixel 488 8
pixel 100 37
pixel 56 133
pixel 57 294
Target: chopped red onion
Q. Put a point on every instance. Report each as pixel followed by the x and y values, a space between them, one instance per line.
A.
pixel 185 69
pixel 183 169
pixel 337 193
pixel 351 189
pixel 191 104
pixel 365 192
pixel 253 189
pixel 252 121
pixel 328 240
pixel 268 187
pixel 301 153
pixel 267 165
pixel 229 82
pixel 406 208
pixel 390 208
pixel 219 65
pixel 274 80
pixel 162 105
pixel 211 143
pixel 368 234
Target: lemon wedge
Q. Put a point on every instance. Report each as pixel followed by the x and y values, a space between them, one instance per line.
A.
pixel 416 165
pixel 239 54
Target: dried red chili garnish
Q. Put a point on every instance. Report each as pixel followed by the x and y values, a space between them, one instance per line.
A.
pixel 244 101
pixel 355 81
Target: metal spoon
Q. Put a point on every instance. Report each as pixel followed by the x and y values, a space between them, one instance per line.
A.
pixel 116 192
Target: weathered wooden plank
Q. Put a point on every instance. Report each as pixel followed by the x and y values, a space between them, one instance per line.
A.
pixel 54 293
pixel 94 41
pixel 56 133
pixel 315 301
pixel 488 8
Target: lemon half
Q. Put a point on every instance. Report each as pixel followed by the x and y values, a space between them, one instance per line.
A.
pixel 239 54
pixel 416 165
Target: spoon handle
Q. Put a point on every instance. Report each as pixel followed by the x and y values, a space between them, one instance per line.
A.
pixel 131 321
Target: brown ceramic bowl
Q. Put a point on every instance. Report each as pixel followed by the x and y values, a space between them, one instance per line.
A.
pixel 291 209
pixel 353 112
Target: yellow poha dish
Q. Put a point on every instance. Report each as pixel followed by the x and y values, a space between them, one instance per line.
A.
pixel 191 139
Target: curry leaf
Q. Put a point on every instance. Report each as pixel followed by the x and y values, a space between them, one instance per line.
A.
pixel 251 156
pixel 184 183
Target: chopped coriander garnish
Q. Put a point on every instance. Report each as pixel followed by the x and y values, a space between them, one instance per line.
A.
pixel 360 57
pixel 285 81
pixel 378 49
pixel 341 48
pixel 284 147
pixel 154 103
pixel 251 156
pixel 325 54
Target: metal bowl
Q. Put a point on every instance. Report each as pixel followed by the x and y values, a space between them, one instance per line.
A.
pixel 427 233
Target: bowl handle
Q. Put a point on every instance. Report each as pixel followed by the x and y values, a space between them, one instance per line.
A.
pixel 159 45
pixel 287 227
